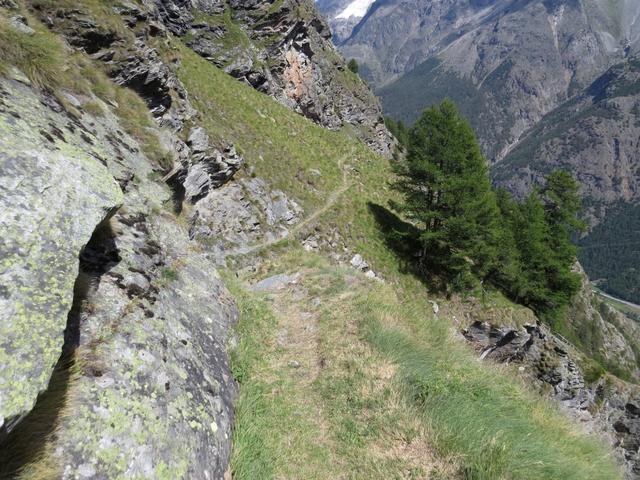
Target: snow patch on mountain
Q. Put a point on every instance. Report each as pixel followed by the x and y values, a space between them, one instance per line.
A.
pixel 356 9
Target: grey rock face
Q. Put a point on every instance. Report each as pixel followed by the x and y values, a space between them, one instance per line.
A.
pixel 544 354
pixel 619 416
pixel 207 168
pixel 242 215
pixel 156 387
pixel 198 164
pixel 275 283
pixel 287 53
pixel 54 192
pixel 151 392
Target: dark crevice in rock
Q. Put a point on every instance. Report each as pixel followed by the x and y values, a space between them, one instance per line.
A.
pixel 178 194
pixel 28 443
pixel 98 257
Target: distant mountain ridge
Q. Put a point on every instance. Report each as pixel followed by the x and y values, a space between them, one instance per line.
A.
pixel 513 61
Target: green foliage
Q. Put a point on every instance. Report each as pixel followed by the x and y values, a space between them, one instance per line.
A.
pixel 464 227
pixel 39 55
pixel 610 253
pixel 447 195
pixel 353 66
pixel 398 130
pixel 538 242
pixel 169 274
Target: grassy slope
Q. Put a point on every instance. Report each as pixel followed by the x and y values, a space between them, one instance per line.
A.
pixel 482 417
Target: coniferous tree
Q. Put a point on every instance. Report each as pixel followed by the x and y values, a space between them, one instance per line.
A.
pixel 531 233
pixel 398 130
pixel 507 274
pixel 541 227
pixel 448 194
pixel 562 205
pixel 463 227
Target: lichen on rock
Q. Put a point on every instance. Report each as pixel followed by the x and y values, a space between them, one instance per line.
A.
pixel 53 193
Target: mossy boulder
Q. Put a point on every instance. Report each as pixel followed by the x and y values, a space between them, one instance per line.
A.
pixel 53 193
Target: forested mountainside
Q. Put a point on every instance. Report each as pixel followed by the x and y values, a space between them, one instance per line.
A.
pixel 595 135
pixel 545 84
pixel 200 276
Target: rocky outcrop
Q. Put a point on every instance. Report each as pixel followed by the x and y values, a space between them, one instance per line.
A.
pixel 101 284
pixel 199 164
pixel 618 414
pixel 545 356
pixel 54 191
pixel 604 333
pixel 283 49
pixel 242 216
pixel 149 324
pixel 205 169
pixel 155 387
pixel 565 370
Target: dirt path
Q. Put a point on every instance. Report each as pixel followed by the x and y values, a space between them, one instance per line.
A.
pixel 343 416
pixel 331 200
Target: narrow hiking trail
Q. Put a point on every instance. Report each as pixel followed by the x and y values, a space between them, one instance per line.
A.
pixel 329 203
pixel 333 410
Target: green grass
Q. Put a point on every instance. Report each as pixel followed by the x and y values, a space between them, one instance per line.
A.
pixel 279 144
pixel 338 413
pixel 391 375
pixel 39 56
pixel 271 412
pixel 284 148
pixel 501 429
pixel 101 10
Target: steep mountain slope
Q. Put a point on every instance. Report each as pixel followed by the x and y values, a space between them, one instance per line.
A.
pixel 595 136
pixel 283 49
pixel 506 62
pixel 146 170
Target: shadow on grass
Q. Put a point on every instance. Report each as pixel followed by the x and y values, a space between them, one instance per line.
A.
pixel 402 238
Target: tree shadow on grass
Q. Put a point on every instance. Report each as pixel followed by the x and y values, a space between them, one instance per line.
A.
pixel 402 239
